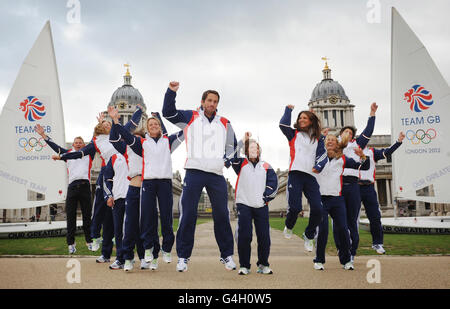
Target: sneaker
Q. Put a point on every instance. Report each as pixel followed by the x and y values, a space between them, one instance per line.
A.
pixel 102 259
pixel 72 249
pixel 96 244
pixel 182 265
pixel 379 249
pixel 265 270
pixel 148 255
pixel 89 245
pixel 243 271
pixel 229 263
pixel 154 264
pixel 287 233
pixel 319 266
pixel 128 265
pixel 349 266
pixel 309 243
pixel 144 264
pixel 116 265
pixel 167 257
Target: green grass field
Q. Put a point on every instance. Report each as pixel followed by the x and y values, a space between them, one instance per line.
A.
pixel 54 245
pixel 395 244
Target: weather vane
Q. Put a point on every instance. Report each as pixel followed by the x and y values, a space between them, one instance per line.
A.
pixel 326 62
pixel 127 65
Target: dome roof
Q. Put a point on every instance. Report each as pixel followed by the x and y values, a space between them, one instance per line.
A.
pixel 127 93
pixel 326 88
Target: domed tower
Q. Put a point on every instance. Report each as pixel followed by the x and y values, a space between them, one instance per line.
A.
pixel 125 99
pixel 330 103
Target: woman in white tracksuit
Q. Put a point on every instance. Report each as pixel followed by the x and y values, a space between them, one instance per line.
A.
pixel 331 183
pixel 256 185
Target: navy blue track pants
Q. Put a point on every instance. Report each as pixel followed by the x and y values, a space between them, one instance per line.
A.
pixel 131 232
pixel 157 192
pixel 370 201
pixel 244 233
pixel 335 207
pixel 216 188
pixel 299 182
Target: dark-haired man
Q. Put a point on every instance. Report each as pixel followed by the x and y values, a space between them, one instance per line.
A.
pixel 210 141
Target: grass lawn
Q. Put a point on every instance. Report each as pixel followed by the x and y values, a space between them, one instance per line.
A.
pixel 55 245
pixel 395 244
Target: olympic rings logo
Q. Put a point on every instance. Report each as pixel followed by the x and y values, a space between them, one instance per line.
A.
pixel 32 144
pixel 421 136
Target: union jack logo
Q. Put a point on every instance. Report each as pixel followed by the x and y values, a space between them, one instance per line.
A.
pixel 419 98
pixel 33 108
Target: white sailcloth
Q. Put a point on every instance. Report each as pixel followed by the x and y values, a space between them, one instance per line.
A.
pixel 420 107
pixel 28 176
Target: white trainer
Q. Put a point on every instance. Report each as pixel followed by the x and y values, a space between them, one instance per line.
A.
pixel 89 245
pixel 319 266
pixel 96 244
pixel 154 264
pixel 167 257
pixel 265 270
pixel 102 259
pixel 287 233
pixel 229 263
pixel 243 271
pixel 182 265
pixel 349 266
pixel 72 249
pixel 144 264
pixel 309 243
pixel 148 255
pixel 379 249
pixel 116 265
pixel 128 265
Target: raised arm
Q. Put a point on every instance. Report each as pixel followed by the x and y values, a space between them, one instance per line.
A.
pixel 271 184
pixel 176 140
pixel 88 150
pixel 179 118
pixel 135 119
pixel 116 140
pixel 364 137
pixel 133 141
pixel 285 123
pixel 231 145
pixel 56 148
pixel 386 152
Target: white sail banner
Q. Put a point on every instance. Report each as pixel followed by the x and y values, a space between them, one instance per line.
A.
pixel 420 107
pixel 28 175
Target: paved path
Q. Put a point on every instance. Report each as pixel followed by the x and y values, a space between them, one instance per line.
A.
pixel 292 270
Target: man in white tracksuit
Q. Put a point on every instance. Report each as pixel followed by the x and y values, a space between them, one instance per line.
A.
pixel 210 141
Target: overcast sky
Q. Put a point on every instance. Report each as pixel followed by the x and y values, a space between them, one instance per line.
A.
pixel 260 55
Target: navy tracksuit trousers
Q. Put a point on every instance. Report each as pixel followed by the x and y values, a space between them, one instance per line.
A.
pixel 352 197
pixel 335 207
pixel 370 201
pixel 153 190
pixel 216 187
pixel 299 182
pixel 131 232
pixel 244 233
pixel 108 232
pixel 118 213
pixel 99 208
